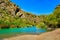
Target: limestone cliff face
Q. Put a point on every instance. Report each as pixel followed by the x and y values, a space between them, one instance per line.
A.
pixel 10 10
pixel 8 7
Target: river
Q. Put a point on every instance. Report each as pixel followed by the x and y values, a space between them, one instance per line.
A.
pixel 16 31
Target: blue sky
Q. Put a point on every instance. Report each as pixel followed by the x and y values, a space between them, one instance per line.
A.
pixel 37 6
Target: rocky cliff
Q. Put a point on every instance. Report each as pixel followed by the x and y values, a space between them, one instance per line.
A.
pixel 12 16
pixel 9 11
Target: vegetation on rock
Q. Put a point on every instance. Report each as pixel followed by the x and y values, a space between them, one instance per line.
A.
pixel 12 16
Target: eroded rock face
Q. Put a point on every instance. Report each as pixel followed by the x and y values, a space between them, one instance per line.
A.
pixel 9 7
pixel 21 14
pixel 54 35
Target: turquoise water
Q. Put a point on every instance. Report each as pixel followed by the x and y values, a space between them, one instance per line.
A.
pixel 32 30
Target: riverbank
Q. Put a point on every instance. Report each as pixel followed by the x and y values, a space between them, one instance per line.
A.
pixel 53 35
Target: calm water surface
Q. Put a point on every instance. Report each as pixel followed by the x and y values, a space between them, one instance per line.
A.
pixel 15 31
pixel 21 30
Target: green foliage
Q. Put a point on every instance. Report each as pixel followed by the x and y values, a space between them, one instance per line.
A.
pixel 1 22
pixel 41 25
